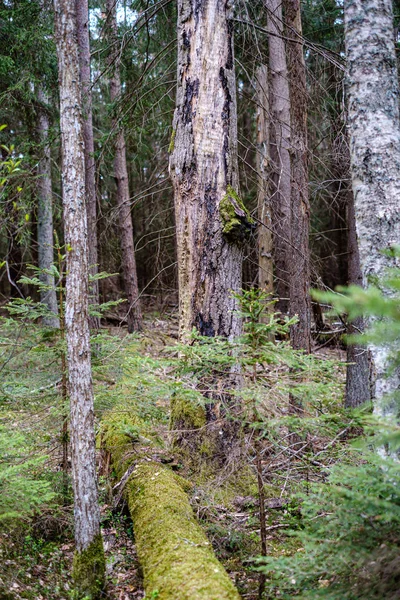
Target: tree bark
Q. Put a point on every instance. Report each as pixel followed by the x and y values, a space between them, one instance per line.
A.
pixel 358 366
pixel 374 129
pixel 280 152
pixel 89 556
pixel 45 216
pixel 82 20
pixel 299 265
pixel 211 221
pixel 134 315
pixel 265 248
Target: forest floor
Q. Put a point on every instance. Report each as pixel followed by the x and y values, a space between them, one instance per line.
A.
pixel 36 548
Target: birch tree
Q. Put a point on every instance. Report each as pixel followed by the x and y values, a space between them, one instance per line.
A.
pixel 211 221
pixel 134 316
pixel 82 19
pixel 45 216
pixel 89 556
pixel 374 127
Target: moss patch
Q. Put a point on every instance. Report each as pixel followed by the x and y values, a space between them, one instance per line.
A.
pixel 237 224
pixel 88 571
pixel 186 415
pixel 172 142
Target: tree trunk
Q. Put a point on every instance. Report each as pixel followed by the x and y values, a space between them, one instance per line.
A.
pixel 357 373
pixel 89 557
pixel 265 249
pixel 280 147
pixel 374 127
pixel 299 265
pixel 45 217
pixel 134 316
pixel 82 22
pixel 211 221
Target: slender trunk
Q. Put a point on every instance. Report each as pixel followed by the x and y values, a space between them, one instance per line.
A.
pixel 280 148
pixel 374 128
pixel 265 262
pixel 45 217
pixel 211 221
pixel 134 316
pixel 89 556
pixel 357 374
pixel 299 265
pixel 82 23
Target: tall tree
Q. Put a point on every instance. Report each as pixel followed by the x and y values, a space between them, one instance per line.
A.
pixel 45 215
pixel 299 264
pixel 280 151
pixel 265 247
pixel 134 315
pixel 82 20
pixel 210 218
pixel 374 127
pixel 89 556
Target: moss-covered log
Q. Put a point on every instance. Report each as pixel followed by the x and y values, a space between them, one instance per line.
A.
pixel 178 561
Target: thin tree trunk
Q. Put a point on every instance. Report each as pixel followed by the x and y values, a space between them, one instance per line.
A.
pixel 358 365
pixel 89 557
pixel 45 217
pixel 134 315
pixel 265 249
pixel 82 21
pixel 203 167
pixel 374 127
pixel 280 148
pixel 299 265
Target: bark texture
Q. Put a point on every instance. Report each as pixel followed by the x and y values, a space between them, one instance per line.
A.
pixel 89 564
pixel 45 216
pixel 299 264
pixel 374 147
pixel 177 560
pixel 211 221
pixel 82 22
pixel 134 316
pixel 280 151
pixel 265 248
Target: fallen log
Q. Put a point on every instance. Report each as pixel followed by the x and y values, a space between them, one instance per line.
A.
pixel 177 560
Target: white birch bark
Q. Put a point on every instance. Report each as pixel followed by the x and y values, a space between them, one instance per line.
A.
pixel 45 216
pixel 86 508
pixel 374 128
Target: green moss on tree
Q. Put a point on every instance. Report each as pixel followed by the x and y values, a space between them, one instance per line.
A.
pixel 172 142
pixel 186 414
pixel 88 571
pixel 237 223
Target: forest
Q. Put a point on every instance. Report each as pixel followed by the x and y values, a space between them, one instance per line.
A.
pixel 199 299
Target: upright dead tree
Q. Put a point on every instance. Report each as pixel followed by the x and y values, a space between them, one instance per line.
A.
pixel 299 263
pixel 211 221
pixel 134 315
pixel 82 20
pixel 374 127
pixel 45 216
pixel 89 556
pixel 265 248
pixel 280 151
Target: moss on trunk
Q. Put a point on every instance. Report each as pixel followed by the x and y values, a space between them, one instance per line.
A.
pixel 88 571
pixel 178 561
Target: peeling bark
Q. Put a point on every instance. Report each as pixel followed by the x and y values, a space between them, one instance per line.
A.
pixel 280 148
pixel 82 21
pixel 203 168
pixel 134 315
pixel 374 128
pixel 89 574
pixel 45 216
pixel 299 264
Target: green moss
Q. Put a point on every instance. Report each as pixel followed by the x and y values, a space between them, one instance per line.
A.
pixel 172 142
pixel 186 415
pixel 120 433
pixel 177 559
pixel 88 571
pixel 236 220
